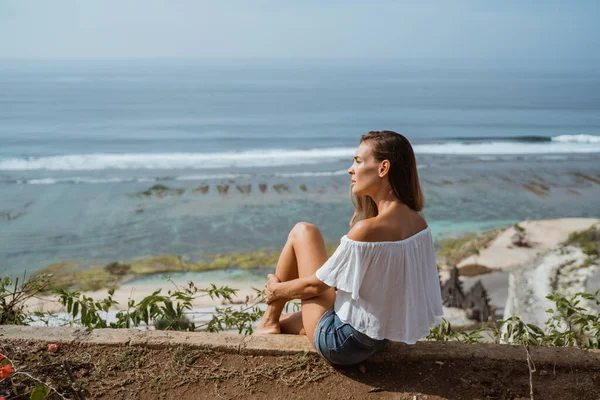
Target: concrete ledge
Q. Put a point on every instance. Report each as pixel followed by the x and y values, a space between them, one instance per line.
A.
pixel 290 344
pixel 441 351
pixel 276 345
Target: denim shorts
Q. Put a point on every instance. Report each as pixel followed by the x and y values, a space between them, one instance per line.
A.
pixel 340 344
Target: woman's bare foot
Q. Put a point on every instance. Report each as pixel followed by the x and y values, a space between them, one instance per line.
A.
pixel 267 329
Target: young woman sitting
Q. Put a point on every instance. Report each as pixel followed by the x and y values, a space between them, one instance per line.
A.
pixel 382 281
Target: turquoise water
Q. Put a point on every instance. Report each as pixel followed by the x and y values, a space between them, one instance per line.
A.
pixel 80 140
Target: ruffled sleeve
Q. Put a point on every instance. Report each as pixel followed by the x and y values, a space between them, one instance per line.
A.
pixel 346 268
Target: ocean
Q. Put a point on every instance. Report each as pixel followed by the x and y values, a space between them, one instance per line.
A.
pixel 247 148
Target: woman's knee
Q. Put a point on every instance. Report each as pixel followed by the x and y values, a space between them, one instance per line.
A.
pixel 304 229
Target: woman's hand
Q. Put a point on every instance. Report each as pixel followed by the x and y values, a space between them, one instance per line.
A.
pixel 270 286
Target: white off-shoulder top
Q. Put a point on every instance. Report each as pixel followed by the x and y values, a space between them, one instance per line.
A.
pixel 386 290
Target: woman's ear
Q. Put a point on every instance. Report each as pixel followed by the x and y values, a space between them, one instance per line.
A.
pixel 384 168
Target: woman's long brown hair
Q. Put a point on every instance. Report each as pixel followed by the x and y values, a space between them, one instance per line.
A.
pixel 403 175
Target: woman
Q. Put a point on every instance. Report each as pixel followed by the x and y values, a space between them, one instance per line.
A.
pixel 384 270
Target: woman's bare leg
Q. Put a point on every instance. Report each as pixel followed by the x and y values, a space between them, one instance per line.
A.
pixel 303 253
pixel 291 324
pixel 286 270
pixel 311 255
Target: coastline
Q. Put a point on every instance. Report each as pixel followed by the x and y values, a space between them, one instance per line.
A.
pixel 556 257
pixel 75 275
pixel 497 263
pixel 116 222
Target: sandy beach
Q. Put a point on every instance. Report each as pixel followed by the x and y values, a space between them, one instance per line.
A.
pixel 543 235
pixel 518 278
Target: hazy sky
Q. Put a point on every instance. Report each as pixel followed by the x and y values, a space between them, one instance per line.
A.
pixel 498 29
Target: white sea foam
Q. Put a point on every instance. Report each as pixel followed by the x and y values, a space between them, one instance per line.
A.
pixel 576 139
pixel 52 181
pixel 309 174
pixel 496 148
pixel 554 157
pixel 45 181
pixel 253 158
pixel 564 144
pixel 203 177
pixel 209 177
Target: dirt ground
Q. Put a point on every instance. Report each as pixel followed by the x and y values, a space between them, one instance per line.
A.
pixel 108 372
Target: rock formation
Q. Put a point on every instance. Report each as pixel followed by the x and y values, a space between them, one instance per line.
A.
pixel 452 292
pixel 475 302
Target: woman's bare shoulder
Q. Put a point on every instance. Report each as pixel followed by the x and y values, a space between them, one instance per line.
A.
pixel 365 230
pixel 373 230
pixel 411 225
pixel 382 230
pixel 419 222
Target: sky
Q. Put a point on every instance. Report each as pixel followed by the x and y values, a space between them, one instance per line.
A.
pixel 424 29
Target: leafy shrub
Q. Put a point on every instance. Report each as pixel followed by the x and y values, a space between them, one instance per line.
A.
pixel 14 295
pixel 569 324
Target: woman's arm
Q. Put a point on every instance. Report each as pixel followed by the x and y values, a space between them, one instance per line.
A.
pixel 301 288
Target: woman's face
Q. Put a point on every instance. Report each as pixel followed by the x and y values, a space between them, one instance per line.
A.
pixel 364 171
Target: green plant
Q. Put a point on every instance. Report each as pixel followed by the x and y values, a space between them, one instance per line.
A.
pixel 518 228
pixel 291 306
pixel 13 297
pixel 443 332
pixel 452 251
pixel 518 332
pixel 228 318
pixel 588 241
pixel 166 312
pixel 84 309
pixel 570 324
pixel 40 392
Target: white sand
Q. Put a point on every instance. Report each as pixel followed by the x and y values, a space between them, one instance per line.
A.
pixel 543 235
pixel 522 277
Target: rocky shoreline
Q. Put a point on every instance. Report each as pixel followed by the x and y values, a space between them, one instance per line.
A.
pixel 76 275
pixel 540 258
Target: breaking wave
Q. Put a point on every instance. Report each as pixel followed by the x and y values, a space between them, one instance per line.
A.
pixel 288 157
